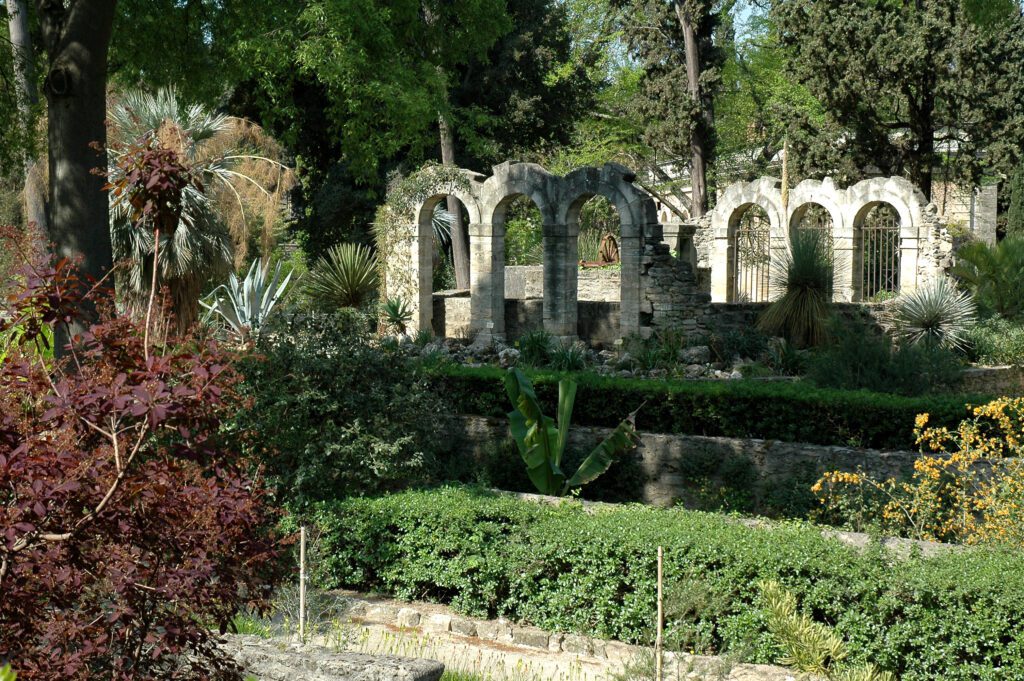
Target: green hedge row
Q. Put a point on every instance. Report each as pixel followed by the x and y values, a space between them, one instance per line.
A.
pixel 786 411
pixel 959 616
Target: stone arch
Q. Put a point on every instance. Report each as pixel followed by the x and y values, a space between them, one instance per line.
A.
pixel 638 218
pixel 749 256
pixel 878 253
pixel 909 203
pixel 766 194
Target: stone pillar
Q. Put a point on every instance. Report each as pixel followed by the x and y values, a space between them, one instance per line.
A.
pixel 422 276
pixel 487 281
pixel 909 246
pixel 561 272
pixel 631 253
pixel 847 269
pixel 722 276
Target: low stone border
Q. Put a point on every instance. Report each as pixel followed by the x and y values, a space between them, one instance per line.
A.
pixel 284 660
pixel 432 619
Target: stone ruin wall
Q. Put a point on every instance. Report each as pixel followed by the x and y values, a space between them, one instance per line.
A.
pixel 667 278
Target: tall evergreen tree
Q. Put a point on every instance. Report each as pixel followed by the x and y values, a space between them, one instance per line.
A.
pixel 908 85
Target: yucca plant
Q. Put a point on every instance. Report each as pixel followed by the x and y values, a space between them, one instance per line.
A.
pixel 994 275
pixel 397 313
pixel 542 441
pixel 345 277
pixel 804 275
pixel 245 305
pixel 937 314
pixel 237 178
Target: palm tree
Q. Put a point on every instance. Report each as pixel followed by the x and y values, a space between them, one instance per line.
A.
pixel 236 173
pixel 994 274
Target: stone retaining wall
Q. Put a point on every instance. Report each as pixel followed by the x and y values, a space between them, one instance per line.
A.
pixel 758 475
pixel 1004 381
pixel 594 284
pixel 598 322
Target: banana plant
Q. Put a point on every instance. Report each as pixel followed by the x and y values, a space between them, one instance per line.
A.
pixel 542 441
pixel 244 306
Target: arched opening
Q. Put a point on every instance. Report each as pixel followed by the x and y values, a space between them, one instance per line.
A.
pixel 877 252
pixel 599 282
pixel 749 254
pixel 519 221
pixel 816 220
pixel 449 304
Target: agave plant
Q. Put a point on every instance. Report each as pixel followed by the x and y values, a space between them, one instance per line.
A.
pixel 542 442
pixel 397 313
pixel 202 247
pixel 804 275
pixel 938 315
pixel 245 306
pixel 346 277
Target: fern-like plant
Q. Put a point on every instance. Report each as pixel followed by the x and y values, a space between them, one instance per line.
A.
pixel 345 277
pixel 808 646
pixel 937 315
pixel 994 275
pixel 804 275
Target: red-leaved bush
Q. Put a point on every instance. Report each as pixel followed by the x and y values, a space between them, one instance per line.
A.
pixel 131 529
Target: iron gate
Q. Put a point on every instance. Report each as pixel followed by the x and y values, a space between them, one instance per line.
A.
pixel 753 257
pixel 880 252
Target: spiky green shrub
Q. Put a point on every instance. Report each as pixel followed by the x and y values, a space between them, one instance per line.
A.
pixel 994 275
pixel 535 348
pixel 938 315
pixel 804 275
pixel 244 306
pixel 346 277
pixel 397 313
pixel 569 357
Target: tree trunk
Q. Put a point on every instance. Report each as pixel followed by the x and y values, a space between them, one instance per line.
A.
pixel 28 98
pixel 460 248
pixel 77 39
pixel 698 140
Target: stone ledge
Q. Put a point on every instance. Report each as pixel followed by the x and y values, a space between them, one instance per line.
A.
pixel 283 660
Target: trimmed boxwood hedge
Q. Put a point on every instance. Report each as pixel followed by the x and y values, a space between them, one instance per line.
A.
pixel 959 616
pixel 769 410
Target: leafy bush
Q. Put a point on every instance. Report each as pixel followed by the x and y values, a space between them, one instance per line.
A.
pixel 347 277
pixel 791 412
pixel 804 275
pixel 335 413
pixel 936 314
pixel 967 487
pixel 131 525
pixel 994 275
pixel 996 341
pixel 953 617
pixel 859 359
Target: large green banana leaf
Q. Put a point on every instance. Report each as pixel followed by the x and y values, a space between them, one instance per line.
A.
pixel 542 443
pixel 535 435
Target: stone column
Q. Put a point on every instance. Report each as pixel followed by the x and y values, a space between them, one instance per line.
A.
pixel 487 281
pixel 847 264
pixel 909 247
pixel 422 275
pixel 722 276
pixel 631 254
pixel 561 281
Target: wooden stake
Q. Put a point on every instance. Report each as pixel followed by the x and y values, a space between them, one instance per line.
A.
pixel 661 620
pixel 302 584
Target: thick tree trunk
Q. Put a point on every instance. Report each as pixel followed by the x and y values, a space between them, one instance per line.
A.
pixel 77 39
pixel 699 138
pixel 28 98
pixel 460 247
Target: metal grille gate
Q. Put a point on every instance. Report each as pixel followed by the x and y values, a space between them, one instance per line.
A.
pixel 753 257
pixel 816 218
pixel 880 252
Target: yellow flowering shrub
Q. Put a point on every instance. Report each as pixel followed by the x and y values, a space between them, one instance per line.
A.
pixel 967 486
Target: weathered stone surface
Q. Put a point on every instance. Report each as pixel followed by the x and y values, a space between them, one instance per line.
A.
pixel 530 636
pixel 408 617
pixel 699 354
pixel 579 645
pixel 385 614
pixel 438 622
pixel 494 630
pixel 463 626
pixel 277 660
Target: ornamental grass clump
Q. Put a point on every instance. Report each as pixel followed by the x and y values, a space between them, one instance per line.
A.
pixel 937 315
pixel 804 276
